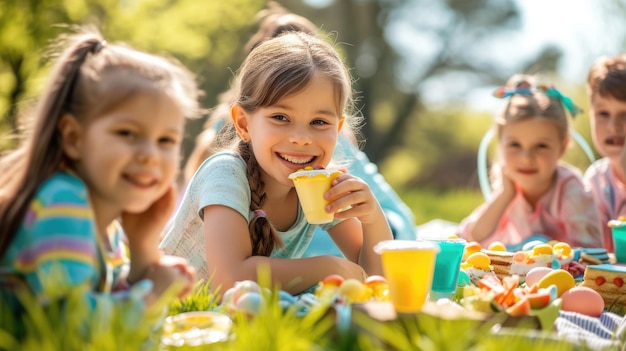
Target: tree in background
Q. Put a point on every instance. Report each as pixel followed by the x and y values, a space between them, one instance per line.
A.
pixel 207 36
pixel 407 52
pixel 404 53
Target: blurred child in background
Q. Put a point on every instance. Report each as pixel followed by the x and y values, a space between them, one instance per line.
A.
pixel 606 178
pixel 534 191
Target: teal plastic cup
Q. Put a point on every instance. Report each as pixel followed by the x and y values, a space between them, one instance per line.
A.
pixel 447 265
pixel 619 243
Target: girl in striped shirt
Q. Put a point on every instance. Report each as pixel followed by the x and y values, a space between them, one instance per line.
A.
pixel 97 165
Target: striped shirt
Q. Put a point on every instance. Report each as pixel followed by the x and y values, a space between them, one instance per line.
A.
pixel 57 248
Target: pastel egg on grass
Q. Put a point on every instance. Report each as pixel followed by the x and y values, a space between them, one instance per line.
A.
pixel 250 302
pixel 378 287
pixel 327 288
pixel 353 290
pixel 233 294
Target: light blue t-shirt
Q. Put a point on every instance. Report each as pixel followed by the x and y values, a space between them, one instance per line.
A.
pixel 222 180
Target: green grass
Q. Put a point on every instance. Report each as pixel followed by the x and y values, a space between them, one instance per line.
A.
pixel 452 205
pixel 272 329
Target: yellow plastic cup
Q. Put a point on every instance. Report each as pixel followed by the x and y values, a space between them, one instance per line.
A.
pixel 408 266
pixel 311 186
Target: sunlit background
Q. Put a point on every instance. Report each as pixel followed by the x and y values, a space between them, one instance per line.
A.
pixel 424 69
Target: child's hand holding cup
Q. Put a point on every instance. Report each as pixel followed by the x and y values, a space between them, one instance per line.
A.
pixel 311 184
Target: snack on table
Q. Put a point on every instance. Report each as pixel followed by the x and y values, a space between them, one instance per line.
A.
pixel 608 281
pixel 594 256
pixel 311 184
pixel 501 262
pixel 541 255
pixel 477 266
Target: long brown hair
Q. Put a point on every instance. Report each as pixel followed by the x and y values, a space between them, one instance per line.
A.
pixel 275 69
pixel 218 130
pixel 89 77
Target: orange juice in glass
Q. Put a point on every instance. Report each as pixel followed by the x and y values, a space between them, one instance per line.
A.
pixel 311 184
pixel 408 266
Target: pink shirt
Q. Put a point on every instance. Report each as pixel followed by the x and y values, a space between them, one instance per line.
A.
pixel 609 194
pixel 565 213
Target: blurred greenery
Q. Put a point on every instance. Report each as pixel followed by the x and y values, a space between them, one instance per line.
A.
pixel 450 205
pixel 427 153
pixel 66 327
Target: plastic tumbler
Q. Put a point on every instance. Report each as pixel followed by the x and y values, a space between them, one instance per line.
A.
pixel 619 243
pixel 447 264
pixel 311 186
pixel 408 266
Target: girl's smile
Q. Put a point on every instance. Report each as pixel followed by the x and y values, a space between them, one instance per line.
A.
pixel 300 130
pixel 129 154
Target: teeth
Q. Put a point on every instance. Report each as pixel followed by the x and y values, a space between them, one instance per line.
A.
pixel 297 160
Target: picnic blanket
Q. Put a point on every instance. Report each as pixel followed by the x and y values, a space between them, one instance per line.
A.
pixel 607 332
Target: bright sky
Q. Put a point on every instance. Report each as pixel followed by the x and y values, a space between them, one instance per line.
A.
pixel 575 25
pixel 578 27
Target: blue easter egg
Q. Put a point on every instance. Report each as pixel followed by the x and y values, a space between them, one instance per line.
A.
pixel 250 302
pixel 287 297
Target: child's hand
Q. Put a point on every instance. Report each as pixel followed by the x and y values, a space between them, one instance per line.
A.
pixel 348 269
pixel 508 185
pixel 170 270
pixel 148 225
pixel 188 273
pixel 353 198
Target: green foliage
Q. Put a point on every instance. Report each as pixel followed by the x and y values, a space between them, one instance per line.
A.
pixel 72 325
pixel 201 298
pixel 452 205
pixel 69 326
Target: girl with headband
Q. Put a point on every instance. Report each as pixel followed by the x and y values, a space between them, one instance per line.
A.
pixel 535 192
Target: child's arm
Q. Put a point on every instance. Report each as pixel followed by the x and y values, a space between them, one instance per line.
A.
pixel 350 192
pixel 146 261
pixel 229 257
pixel 581 216
pixel 620 167
pixel 487 221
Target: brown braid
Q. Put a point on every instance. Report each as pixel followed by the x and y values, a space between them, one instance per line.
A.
pixel 263 235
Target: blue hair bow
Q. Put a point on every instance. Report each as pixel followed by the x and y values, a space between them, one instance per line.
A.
pixel 504 92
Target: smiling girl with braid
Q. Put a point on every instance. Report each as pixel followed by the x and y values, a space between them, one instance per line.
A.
pixel 241 210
